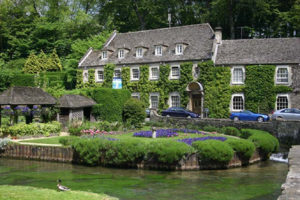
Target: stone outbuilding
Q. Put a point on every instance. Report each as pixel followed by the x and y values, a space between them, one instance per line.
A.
pixel 75 107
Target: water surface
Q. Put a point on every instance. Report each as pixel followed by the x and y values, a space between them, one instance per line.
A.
pixel 257 182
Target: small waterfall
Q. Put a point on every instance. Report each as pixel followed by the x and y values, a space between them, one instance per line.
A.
pixel 280 157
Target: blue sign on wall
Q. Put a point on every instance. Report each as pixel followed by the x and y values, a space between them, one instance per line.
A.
pixel 117 83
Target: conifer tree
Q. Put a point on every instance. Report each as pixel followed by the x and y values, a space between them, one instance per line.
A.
pixel 54 63
pixel 44 61
pixel 32 64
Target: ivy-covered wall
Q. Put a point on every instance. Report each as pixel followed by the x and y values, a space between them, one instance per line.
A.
pixel 259 88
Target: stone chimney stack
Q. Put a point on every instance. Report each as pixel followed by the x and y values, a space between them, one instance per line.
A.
pixel 218 35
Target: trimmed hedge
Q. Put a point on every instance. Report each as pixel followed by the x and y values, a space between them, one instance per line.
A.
pixel 213 151
pixel 24 80
pixel 243 148
pixel 134 112
pixel 232 131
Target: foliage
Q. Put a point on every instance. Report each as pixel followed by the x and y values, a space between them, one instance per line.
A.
pixel 169 151
pixel 134 112
pixel 3 143
pixel 243 148
pixel 210 128
pixel 232 131
pixel 23 80
pixel 216 83
pixel 21 129
pixel 213 151
pixel 108 75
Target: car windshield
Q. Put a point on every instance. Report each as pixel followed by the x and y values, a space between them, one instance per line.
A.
pixel 287 111
pixel 247 112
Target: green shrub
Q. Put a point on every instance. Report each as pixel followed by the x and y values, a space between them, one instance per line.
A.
pixel 23 80
pixel 167 151
pixel 213 151
pixel 243 148
pixel 246 133
pixel 125 152
pixel 232 131
pixel 209 128
pixel 265 142
pixel 66 141
pixel 134 112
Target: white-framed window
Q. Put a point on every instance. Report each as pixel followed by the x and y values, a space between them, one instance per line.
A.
pixel 99 75
pixel 121 53
pixel 158 50
pixel 179 49
pixel 237 102
pixel 104 55
pixel 117 73
pixel 175 72
pixel 237 75
pixel 282 101
pixel 154 73
pixel 85 76
pixel 135 73
pixel 135 95
pixel 174 99
pixel 139 52
pixel 154 100
pixel 282 75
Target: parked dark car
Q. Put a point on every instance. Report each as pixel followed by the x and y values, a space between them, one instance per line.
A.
pixel 248 115
pixel 179 112
pixel 287 114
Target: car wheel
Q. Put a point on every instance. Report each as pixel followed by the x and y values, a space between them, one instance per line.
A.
pixel 167 115
pixel 236 119
pixel 188 116
pixel 260 119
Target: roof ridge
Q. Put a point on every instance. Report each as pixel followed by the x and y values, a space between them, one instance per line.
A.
pixel 250 39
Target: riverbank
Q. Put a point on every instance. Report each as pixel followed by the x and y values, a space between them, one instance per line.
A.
pixel 29 193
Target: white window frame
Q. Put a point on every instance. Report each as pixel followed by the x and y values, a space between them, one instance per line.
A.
pixel 150 101
pixel 282 95
pixel 121 53
pixel 231 103
pixel 289 75
pixel 179 49
pixel 97 76
pixel 170 99
pixel 131 74
pixel 151 75
pixel 115 72
pixel 139 52
pixel 85 76
pixel 171 72
pixel 135 95
pixel 233 82
pixel 158 50
pixel 104 55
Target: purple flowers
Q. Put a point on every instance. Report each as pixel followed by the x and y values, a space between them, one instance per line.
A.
pixel 189 141
pixel 189 131
pixel 159 133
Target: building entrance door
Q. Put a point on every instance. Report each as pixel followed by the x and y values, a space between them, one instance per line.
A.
pixel 196 103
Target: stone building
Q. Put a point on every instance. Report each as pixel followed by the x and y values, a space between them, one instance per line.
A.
pixel 195 44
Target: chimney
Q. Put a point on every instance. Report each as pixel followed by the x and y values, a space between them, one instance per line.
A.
pixel 218 35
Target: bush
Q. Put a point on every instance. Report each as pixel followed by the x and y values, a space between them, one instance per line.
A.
pixel 134 113
pixel 167 151
pixel 213 151
pixel 265 142
pixel 68 140
pixel 232 131
pixel 246 133
pixel 23 80
pixel 210 128
pixel 243 148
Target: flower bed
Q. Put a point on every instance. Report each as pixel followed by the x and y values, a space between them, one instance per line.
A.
pixel 97 132
pixel 189 141
pixel 159 133
pixel 189 131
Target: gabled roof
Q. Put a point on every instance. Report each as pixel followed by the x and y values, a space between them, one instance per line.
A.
pixel 75 101
pixel 259 51
pixel 26 96
pixel 198 37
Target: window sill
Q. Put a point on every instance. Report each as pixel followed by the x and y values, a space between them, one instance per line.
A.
pixel 237 83
pixel 174 78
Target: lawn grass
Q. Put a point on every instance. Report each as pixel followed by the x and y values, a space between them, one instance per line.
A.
pixel 51 140
pixel 8 192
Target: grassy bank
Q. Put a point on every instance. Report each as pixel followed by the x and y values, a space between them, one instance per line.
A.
pixel 28 193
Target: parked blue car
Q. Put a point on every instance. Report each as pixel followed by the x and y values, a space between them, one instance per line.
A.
pixel 248 115
pixel 179 112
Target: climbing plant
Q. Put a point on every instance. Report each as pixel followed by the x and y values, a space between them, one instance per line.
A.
pixel 108 75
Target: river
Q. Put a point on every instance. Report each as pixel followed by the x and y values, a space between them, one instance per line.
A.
pixel 260 181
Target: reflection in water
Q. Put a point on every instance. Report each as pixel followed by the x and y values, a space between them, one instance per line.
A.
pixel 259 181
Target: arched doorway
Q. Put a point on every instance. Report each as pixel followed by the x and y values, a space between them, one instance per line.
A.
pixel 196 94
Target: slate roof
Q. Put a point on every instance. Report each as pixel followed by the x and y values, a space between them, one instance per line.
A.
pixel 199 40
pixel 75 101
pixel 26 96
pixel 259 51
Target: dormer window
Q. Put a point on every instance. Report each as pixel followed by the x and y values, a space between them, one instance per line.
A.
pixel 139 52
pixel 121 53
pixel 158 50
pixel 179 49
pixel 104 55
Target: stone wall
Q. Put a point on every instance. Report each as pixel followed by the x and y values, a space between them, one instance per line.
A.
pixel 287 132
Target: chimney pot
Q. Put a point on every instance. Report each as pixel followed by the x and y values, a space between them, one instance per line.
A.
pixel 218 35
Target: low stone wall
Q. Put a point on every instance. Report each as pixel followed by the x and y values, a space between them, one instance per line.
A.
pixel 62 154
pixel 34 152
pixel 287 132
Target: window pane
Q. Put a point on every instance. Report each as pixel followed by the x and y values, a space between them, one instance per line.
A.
pixel 238 103
pixel 179 49
pixel 175 101
pixel 158 50
pixel 238 76
pixel 135 74
pixel 175 72
pixel 121 53
pixel 154 101
pixel 282 102
pixel 100 75
pixel 139 52
pixel 117 73
pixel 154 73
pixel 282 75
